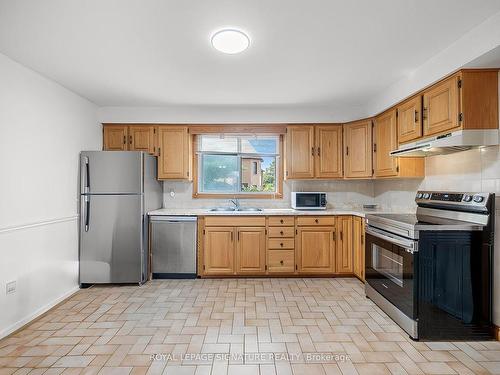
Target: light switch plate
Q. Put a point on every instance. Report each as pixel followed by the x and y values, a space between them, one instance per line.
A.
pixel 10 287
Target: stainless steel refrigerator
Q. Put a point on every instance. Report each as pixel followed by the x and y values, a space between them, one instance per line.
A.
pixel 117 189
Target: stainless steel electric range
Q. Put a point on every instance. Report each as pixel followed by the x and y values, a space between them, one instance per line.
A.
pixel 431 272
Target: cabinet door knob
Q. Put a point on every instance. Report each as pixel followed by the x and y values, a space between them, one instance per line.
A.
pixel 281 244
pixel 281 262
pixel 316 221
pixel 281 221
pixel 281 232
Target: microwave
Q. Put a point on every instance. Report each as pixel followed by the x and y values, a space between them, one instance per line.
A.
pixel 309 200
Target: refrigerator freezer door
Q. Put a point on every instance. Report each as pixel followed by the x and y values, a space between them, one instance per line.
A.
pixel 111 172
pixel 111 239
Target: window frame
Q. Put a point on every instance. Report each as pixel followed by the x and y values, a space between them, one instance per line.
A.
pixel 278 194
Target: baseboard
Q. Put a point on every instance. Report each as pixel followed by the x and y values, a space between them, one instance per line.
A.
pixel 37 314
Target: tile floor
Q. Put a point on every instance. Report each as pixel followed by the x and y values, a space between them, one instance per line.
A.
pixel 231 326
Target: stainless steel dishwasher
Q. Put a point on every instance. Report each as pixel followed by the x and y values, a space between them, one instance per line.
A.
pixel 173 247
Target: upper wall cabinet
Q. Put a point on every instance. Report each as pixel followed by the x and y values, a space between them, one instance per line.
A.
pixel 171 143
pixel 441 103
pixel 300 151
pixel 409 119
pixel 129 138
pixel 142 138
pixel 115 137
pixel 314 151
pixel 466 100
pixel 358 149
pixel 328 162
pixel 174 152
pixel 384 141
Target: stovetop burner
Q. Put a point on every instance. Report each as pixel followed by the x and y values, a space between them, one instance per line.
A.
pixel 437 211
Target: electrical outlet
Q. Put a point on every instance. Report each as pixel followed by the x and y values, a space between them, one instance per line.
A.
pixel 10 287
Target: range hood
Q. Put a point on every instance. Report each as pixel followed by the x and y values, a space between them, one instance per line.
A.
pixel 460 140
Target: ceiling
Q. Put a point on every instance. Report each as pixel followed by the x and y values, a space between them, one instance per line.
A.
pixel 158 52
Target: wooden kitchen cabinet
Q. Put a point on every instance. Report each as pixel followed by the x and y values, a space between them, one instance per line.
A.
pixel 441 107
pixel 358 239
pixel 280 245
pixel 174 153
pixel 233 245
pixel 344 244
pixel 118 137
pixel 358 149
pixel 384 141
pixel 115 137
pixel 315 250
pixel 250 250
pixel 328 147
pixel 409 120
pixel 142 138
pixel 280 261
pixel 314 151
pixel 466 100
pixel 218 251
pixel 300 151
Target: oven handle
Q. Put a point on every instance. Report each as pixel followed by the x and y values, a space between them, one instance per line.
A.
pixel 408 245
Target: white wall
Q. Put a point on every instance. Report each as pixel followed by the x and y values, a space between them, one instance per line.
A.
pixel 230 114
pixel 477 42
pixel 43 128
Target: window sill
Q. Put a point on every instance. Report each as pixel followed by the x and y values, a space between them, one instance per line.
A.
pixel 239 196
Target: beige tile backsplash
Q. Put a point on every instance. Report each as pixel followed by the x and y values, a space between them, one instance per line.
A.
pixel 341 194
pixel 473 170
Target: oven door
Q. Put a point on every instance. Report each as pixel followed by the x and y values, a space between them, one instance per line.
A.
pixel 389 261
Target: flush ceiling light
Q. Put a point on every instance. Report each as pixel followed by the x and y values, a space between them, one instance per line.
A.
pixel 230 41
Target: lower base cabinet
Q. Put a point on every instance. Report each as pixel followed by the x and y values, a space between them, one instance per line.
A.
pixel 358 231
pixel 316 249
pixel 344 244
pixel 307 245
pixel 218 251
pixel 229 250
pixel 280 261
pixel 250 251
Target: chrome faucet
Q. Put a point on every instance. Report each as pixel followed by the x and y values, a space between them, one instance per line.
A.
pixel 236 203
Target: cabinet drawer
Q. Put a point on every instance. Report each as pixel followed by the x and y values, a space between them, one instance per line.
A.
pixel 281 261
pixel 281 232
pixel 281 243
pixel 281 220
pixel 235 221
pixel 316 220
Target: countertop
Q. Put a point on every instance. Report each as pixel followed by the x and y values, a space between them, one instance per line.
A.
pixel 264 212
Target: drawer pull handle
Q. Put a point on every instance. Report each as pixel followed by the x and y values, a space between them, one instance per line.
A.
pixel 281 221
pixel 281 244
pixel 316 221
pixel 281 262
pixel 281 232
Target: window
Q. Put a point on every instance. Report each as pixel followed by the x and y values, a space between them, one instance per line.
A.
pixel 235 164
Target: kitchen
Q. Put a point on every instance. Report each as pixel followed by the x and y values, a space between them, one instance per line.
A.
pixel 276 231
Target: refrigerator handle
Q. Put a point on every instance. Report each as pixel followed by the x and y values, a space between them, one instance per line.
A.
pixel 86 188
pixel 87 213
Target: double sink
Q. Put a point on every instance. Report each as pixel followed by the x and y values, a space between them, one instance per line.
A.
pixel 233 209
